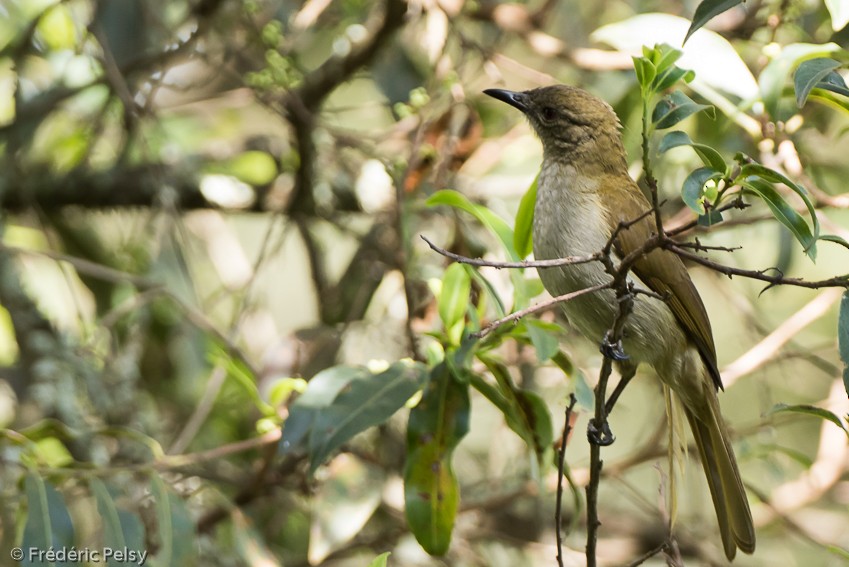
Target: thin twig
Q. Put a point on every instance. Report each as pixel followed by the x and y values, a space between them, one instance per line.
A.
pixel 538 307
pixel 480 262
pixel 561 458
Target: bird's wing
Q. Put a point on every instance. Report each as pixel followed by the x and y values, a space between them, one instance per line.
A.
pixel 665 274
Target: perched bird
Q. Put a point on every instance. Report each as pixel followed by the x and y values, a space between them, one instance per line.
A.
pixel 583 193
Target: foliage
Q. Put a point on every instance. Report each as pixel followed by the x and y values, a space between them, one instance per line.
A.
pixel 223 342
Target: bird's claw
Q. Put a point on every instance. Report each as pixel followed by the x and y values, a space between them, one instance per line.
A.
pixel 601 437
pixel 613 350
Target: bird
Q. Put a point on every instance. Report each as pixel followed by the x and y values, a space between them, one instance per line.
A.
pixel 584 193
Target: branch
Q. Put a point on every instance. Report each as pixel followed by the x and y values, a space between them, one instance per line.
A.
pixel 566 261
pixel 561 458
pixel 538 307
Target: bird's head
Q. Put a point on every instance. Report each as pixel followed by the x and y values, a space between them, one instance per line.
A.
pixel 570 122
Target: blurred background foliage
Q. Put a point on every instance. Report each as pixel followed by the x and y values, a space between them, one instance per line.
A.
pixel 207 203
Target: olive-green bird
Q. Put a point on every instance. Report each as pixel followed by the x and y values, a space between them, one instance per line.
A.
pixel 583 193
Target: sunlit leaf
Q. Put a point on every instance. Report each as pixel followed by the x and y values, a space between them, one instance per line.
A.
pixel 775 177
pixel 431 490
pixel 454 297
pixel 715 61
pixel 706 11
pixel 493 222
pixel 523 233
pixel 809 74
pixel 839 10
pixel 380 560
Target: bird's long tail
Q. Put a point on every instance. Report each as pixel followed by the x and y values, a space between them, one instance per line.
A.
pixel 723 477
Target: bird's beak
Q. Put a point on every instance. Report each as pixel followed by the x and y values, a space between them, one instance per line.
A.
pixel 519 100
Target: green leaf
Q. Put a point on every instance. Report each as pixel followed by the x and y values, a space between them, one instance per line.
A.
pixel 544 338
pixel 363 403
pixel 809 74
pixel 121 529
pixel 782 211
pixel 253 167
pixel 175 527
pixel 775 177
pixel 711 218
pixel 811 410
pixel 454 297
pixel 692 193
pixel 645 71
pixel 834 82
pixel 774 76
pixel 672 76
pixel 716 63
pixel 673 108
pixel 321 390
pixel 524 411
pixel 523 233
pixel 706 11
pixel 709 156
pixel 665 57
pixel 843 337
pixel 48 523
pixel 380 560
pixel 431 490
pixel 490 220
pixel 839 10
pixel 834 238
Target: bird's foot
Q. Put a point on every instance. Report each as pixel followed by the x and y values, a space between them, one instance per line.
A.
pixel 613 350
pixel 601 437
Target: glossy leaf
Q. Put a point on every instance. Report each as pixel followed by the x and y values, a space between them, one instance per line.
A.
pixel 493 222
pixel 708 10
pixel 709 156
pixel 811 410
pixel 693 190
pixel 782 211
pixel 809 74
pixel 717 65
pixel 524 226
pixel 321 390
pixel 364 402
pixel 431 490
pixel 774 76
pixel 645 71
pixel 48 524
pixel 843 337
pixel 673 108
pixel 775 177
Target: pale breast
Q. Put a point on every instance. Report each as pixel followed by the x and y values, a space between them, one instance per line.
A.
pixel 569 221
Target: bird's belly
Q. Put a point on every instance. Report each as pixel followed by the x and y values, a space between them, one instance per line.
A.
pixel 650 330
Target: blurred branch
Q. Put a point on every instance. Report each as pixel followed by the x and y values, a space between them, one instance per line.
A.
pixel 766 350
pixel 561 458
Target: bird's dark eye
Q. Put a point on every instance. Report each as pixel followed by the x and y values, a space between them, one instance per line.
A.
pixel 548 113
